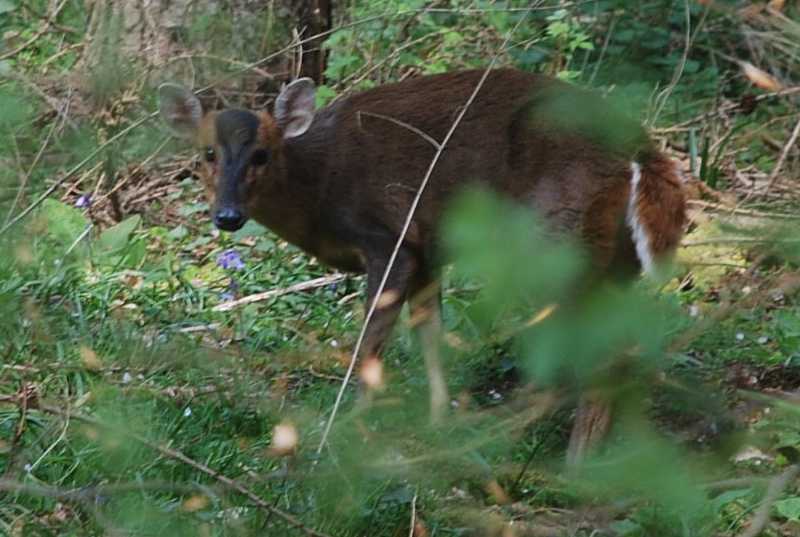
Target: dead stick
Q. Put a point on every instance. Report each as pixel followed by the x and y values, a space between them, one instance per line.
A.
pixel 179 456
pixel 272 293
pixel 773 176
pixel 776 486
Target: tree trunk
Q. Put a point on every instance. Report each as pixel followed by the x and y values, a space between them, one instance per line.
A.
pixel 314 17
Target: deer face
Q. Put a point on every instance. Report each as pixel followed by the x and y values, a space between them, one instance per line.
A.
pixel 238 147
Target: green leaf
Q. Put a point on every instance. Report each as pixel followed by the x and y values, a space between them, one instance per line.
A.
pixel 626 528
pixel 117 237
pixel 789 508
pixel 453 38
pixel 64 222
pixel 250 229
pixel 324 95
pixel 730 496
pixel 624 36
pixel 6 6
pixel 193 208
pixel 178 232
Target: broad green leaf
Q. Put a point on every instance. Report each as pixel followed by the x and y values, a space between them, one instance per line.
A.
pixel 64 222
pixel 117 237
pixel 730 496
pixel 178 232
pixel 324 95
pixel 250 229
pixel 789 508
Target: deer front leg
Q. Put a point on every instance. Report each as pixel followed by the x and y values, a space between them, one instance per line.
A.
pixel 390 301
pixel 426 318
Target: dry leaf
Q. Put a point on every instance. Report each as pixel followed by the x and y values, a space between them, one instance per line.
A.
pixel 543 314
pixel 751 11
pixel 751 454
pixel 284 439
pixel 91 433
pixel 776 5
pixel 498 492
pixel 387 298
pixel 89 359
pixel 759 78
pixel 24 254
pixel 195 503
pixel 419 529
pixel 454 341
pixel 372 373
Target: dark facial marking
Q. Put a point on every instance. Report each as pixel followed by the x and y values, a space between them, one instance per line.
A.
pixel 236 129
pixel 237 132
pixel 259 157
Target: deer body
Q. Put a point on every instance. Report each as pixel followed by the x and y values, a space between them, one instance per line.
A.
pixel 338 182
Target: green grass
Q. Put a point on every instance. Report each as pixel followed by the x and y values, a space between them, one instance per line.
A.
pixel 103 334
pixel 126 402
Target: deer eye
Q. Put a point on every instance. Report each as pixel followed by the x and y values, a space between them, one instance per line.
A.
pixel 259 158
pixel 210 155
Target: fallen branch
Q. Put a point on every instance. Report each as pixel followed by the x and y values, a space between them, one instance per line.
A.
pixel 776 486
pixel 744 212
pixel 199 466
pixel 773 176
pixel 272 293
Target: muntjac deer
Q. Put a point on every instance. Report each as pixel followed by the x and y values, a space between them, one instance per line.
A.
pixel 338 181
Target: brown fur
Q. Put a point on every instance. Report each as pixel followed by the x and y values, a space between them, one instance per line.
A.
pixel 342 190
pixel 661 205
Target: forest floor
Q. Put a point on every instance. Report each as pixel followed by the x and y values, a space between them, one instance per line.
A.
pixel 131 404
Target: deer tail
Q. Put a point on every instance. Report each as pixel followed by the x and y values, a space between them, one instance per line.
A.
pixel 656 209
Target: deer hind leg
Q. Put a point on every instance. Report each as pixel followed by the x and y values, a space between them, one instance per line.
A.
pixel 614 262
pixel 592 424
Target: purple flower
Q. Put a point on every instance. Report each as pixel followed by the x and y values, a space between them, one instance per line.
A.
pixel 230 260
pixel 230 293
pixel 83 202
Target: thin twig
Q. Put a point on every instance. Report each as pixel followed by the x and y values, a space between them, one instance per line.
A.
pixel 272 293
pixel 428 138
pixel 413 515
pixel 743 212
pixel 23 184
pixel 736 240
pixel 661 100
pixel 139 167
pixel 705 116
pixel 411 212
pixel 37 35
pixel 199 466
pixel 603 50
pixel 152 115
pixel 773 176
pixel 93 492
pixel 776 486
pixel 75 170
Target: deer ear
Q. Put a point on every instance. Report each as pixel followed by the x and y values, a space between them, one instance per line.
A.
pixel 294 107
pixel 179 109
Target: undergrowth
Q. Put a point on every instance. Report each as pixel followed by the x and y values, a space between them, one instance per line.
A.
pixel 130 404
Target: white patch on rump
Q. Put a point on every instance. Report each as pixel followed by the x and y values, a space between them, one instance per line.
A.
pixel 639 233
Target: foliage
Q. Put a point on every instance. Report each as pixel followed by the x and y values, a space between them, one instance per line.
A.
pixel 124 395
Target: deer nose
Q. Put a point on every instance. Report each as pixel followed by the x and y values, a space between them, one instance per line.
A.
pixel 229 219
